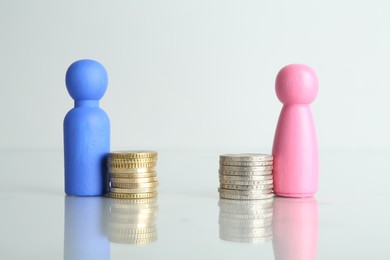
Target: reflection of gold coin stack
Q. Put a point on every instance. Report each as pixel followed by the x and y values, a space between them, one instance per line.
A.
pixel 132 174
pixel 245 221
pixel 133 221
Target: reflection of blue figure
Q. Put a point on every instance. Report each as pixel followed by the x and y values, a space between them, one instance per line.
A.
pixel 86 130
pixel 84 236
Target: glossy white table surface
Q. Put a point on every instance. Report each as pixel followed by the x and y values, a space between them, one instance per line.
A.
pixel 348 219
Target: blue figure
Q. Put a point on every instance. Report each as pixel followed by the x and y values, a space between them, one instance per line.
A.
pixel 86 130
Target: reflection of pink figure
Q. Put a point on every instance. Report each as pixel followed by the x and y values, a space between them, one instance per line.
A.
pixel 295 148
pixel 295 228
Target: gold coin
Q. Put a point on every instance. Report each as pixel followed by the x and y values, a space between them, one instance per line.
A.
pixel 135 185
pixel 130 218
pixel 131 170
pixel 131 165
pixel 130 206
pixel 122 220
pixel 142 224
pixel 133 180
pixel 133 175
pixel 139 203
pixel 129 233
pixel 132 154
pixel 133 235
pixel 132 241
pixel 133 160
pixel 133 210
pixel 132 196
pixel 140 190
pixel 145 230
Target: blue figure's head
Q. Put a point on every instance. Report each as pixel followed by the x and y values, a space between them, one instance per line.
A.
pixel 86 80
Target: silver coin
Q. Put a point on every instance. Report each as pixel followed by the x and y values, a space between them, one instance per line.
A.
pixel 245 178
pixel 245 192
pixel 245 168
pixel 244 203
pixel 246 197
pixel 257 240
pixel 245 164
pixel 246 206
pixel 246 216
pixel 234 182
pixel 245 223
pixel 227 225
pixel 255 232
pixel 244 173
pixel 242 157
pixel 247 187
pixel 245 210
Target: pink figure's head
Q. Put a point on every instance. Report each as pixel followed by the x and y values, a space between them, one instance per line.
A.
pixel 296 84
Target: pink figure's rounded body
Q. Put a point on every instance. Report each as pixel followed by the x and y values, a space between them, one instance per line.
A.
pixel 295 149
pixel 295 228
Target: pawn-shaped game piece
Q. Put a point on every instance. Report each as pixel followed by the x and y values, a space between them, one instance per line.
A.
pixel 295 150
pixel 86 130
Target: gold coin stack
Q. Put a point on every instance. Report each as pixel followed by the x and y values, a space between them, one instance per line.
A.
pixel 133 221
pixel 132 174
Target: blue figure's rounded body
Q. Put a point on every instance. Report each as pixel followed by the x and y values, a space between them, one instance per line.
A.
pixel 86 131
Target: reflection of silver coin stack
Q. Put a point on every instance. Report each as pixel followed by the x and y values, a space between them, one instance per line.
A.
pixel 245 221
pixel 133 221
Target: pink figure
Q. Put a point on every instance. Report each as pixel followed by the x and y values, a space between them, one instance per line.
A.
pixel 295 228
pixel 295 151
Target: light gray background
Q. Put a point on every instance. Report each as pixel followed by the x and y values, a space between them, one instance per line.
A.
pixel 193 79
pixel 195 74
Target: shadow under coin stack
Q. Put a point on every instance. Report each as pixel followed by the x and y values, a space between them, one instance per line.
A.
pixel 246 221
pixel 246 176
pixel 132 174
pixel 133 221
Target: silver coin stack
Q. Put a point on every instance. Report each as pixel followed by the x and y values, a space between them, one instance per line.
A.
pixel 246 221
pixel 246 176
